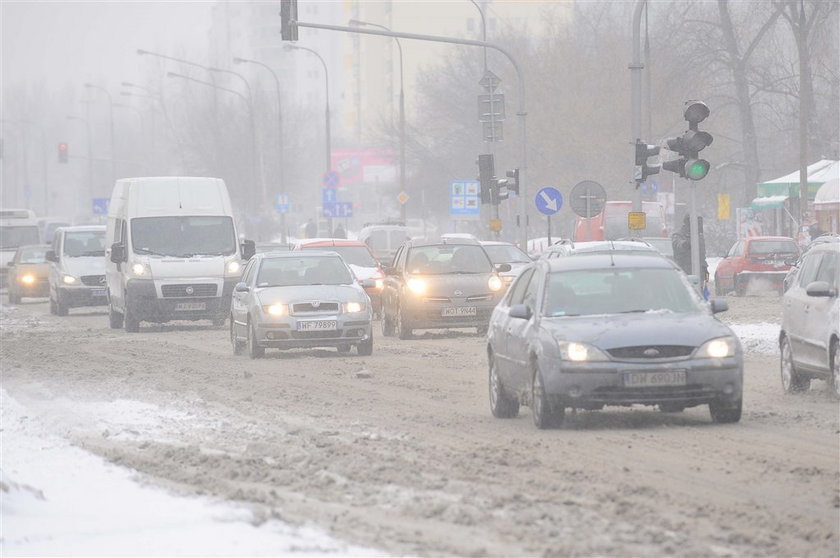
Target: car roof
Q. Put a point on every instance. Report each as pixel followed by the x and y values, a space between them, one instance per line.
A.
pixel 330 242
pixel 496 243
pixel 825 246
pixel 619 260
pixel 612 246
pixel 298 254
pixel 35 246
pixel 82 228
pixel 414 242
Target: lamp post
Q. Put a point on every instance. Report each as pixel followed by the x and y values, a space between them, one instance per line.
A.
pixel 251 117
pixel 111 117
pixel 356 22
pixel 89 155
pixel 281 166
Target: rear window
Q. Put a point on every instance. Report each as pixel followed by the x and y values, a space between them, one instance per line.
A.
pixel 771 247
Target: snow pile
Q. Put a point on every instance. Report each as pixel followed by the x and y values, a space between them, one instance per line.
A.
pixel 60 500
pixel 11 319
pixel 761 338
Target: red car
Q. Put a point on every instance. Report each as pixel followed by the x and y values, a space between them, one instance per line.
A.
pixel 759 262
pixel 358 256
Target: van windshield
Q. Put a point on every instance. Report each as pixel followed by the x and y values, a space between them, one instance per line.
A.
pixel 183 237
pixel 13 236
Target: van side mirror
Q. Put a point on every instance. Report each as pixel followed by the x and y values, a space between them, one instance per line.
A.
pixel 249 248
pixel 117 253
pixel 51 256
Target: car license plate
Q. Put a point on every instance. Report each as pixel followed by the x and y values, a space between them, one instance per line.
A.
pixel 97 292
pixel 650 379
pixel 316 325
pixel 459 311
pixel 190 306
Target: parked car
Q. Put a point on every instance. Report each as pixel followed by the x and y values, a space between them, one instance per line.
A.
pixel 440 284
pixel 299 299
pixel 77 269
pixel 809 340
pixel 610 329
pixel 29 273
pixel 506 253
pixel 758 262
pixel 792 273
pixel 358 256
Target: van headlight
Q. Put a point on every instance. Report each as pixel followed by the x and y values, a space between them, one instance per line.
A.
pixel 276 309
pixel 233 267
pixel 354 307
pixel 138 269
pixel 721 347
pixel 68 279
pixel 417 285
pixel 580 352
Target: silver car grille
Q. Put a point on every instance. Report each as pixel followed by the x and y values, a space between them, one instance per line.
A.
pixel 315 307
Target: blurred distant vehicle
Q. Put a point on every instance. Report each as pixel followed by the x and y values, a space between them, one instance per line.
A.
pixel 757 262
pixel 384 239
pixel 48 225
pixel 77 272
pixel 358 256
pixel 420 228
pixel 29 273
pixel 18 227
pixel 611 223
pixel 458 236
pixel 506 253
pixel 299 299
pixel 809 340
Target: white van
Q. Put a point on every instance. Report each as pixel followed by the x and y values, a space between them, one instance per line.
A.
pixel 77 268
pixel 384 239
pixel 18 227
pixel 173 251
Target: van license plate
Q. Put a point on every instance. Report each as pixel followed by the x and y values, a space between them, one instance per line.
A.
pixel 316 325
pixel 190 306
pixel 97 292
pixel 459 311
pixel 648 379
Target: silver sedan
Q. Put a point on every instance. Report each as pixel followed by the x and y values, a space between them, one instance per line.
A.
pixel 293 300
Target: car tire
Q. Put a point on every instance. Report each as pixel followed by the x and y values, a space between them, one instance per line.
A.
pixel 254 350
pixel 343 348
pixel 671 408
pixel 238 346
pixel 53 307
pixel 545 413
pixel 365 348
pixel 724 412
pixel 834 364
pixel 739 286
pixel 115 319
pixel 219 323
pixel 131 323
pixel 61 308
pixel 502 405
pixel 481 330
pixel 403 331
pixel 387 325
pixel 792 380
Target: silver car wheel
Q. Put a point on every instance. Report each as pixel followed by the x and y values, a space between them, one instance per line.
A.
pixel 786 366
pixel 835 368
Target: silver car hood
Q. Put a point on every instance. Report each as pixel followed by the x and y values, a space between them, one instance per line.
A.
pixel 83 265
pixel 300 293
pixel 626 330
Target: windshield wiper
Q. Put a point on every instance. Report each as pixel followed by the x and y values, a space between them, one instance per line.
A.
pixel 149 251
pixel 635 311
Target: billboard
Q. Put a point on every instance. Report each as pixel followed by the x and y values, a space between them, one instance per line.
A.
pixel 370 165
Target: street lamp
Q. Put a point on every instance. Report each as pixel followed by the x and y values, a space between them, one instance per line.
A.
pixel 357 23
pixel 281 166
pixel 111 115
pixel 253 127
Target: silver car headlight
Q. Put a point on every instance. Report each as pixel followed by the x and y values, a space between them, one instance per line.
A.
pixel 68 279
pixel 276 309
pixel 580 352
pixel 354 307
pixel 721 347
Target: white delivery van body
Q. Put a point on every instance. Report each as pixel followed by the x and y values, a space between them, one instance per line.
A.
pixel 173 251
pixel 18 227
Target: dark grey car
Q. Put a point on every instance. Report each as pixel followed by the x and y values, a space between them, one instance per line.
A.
pixel 610 329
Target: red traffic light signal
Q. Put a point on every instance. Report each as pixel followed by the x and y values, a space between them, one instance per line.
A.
pixel 63 152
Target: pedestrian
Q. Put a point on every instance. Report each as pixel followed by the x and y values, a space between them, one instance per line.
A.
pixel 681 242
pixel 339 232
pixel 311 229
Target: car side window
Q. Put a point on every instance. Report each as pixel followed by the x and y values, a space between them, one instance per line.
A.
pixel 809 269
pixel 248 274
pixel 530 299
pixel 737 249
pixel 398 258
pixel 828 269
pixel 517 291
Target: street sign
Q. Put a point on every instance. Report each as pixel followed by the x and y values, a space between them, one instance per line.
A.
pixel 100 206
pixel 281 203
pixel 328 195
pixel 491 107
pixel 649 188
pixel 464 199
pixel 402 197
pixel 636 221
pixel 549 200
pixel 587 198
pixel 337 209
pixel 496 225
pixel 331 179
pixel 489 80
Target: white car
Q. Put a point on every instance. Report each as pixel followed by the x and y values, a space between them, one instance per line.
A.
pixel 77 269
pixel 809 340
pixel 506 253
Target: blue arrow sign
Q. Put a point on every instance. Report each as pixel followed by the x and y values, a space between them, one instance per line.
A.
pixel 649 188
pixel 337 210
pixel 549 200
pixel 331 179
pixel 328 195
pixel 100 206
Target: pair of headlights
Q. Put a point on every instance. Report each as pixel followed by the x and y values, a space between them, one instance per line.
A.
pixel 418 285
pixel 721 347
pixel 283 309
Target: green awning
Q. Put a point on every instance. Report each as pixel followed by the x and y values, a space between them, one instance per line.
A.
pixel 769 202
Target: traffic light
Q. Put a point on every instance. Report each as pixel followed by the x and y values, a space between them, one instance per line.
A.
pixel 643 152
pixel 288 13
pixel 513 181
pixel 688 146
pixel 63 152
pixel 486 176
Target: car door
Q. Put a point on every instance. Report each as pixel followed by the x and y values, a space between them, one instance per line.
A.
pixel 240 300
pixel 796 307
pixel 818 321
pixel 499 328
pixel 392 284
pixel 726 268
pixel 520 333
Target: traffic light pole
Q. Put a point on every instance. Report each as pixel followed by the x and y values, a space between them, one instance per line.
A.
pixel 522 113
pixel 636 91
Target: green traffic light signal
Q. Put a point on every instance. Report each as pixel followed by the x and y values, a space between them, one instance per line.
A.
pixel 696 169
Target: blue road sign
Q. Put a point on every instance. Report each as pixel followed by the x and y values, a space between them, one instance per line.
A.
pixel 465 198
pixel 281 203
pixel 549 200
pixel 337 210
pixel 331 179
pixel 328 195
pixel 649 188
pixel 100 206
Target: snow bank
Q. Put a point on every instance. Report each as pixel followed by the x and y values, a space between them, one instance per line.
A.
pixel 761 338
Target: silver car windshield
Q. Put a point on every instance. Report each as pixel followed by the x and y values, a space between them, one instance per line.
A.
pixel 290 272
pixel 618 291
pixel 443 259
